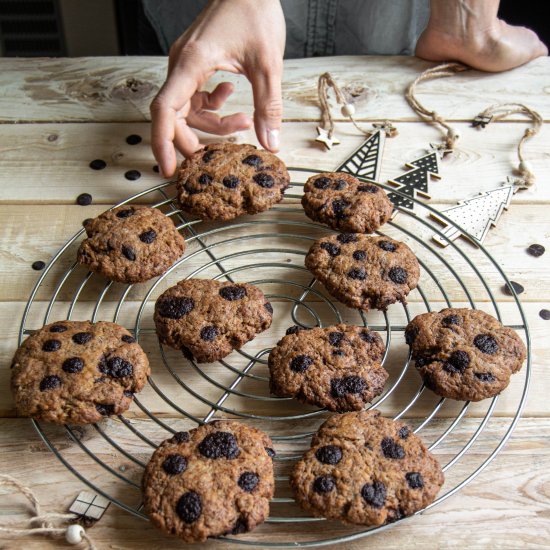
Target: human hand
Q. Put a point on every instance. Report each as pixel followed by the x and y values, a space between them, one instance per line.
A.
pixel 241 36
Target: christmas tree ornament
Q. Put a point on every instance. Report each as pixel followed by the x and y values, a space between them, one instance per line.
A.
pixel 365 161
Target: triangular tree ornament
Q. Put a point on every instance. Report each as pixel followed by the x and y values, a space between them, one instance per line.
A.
pixel 476 215
pixel 429 162
pixel 365 161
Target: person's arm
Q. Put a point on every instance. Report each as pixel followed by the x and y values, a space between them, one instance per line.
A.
pixel 470 31
pixel 240 36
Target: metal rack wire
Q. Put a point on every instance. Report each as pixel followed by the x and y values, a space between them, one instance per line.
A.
pixel 268 251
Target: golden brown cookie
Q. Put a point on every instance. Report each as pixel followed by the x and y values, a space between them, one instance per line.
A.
pixel 225 180
pixel 77 372
pixel 214 480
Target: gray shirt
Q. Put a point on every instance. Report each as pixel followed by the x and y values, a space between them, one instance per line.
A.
pixel 317 27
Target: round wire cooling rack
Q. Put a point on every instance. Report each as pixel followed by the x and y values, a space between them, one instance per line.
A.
pixel 268 250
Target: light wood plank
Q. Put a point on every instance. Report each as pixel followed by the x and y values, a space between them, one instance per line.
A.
pixel 120 89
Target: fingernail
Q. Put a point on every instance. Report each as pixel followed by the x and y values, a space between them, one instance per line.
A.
pixel 273 139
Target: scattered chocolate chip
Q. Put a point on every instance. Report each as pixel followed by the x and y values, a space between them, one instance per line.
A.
pixel 410 335
pixel 301 363
pixel 458 361
pixel 181 437
pixel 116 367
pixel 156 169
pixel 322 182
pixel 209 155
pixel 329 454
pixel 518 289
pixel 339 353
pixel 544 314
pixel 374 494
pixel 128 253
pixel 536 250
pixel 415 480
pixel 332 249
pixel 270 452
pixel 148 237
pixel 189 188
pixel 97 164
pixel 368 336
pixel 398 275
pixel 128 393
pixel 324 484
pixel 73 365
pixel 132 175
pixel 293 329
pixel 189 507
pixel 133 139
pixel 359 255
pixel 105 409
pixel 392 449
pixel 404 432
pixel 128 339
pixel 422 361
pixel 219 445
pixel 174 464
pixel 58 328
pixel 339 387
pixel 175 308
pixel 38 265
pixel 268 307
pixel 451 320
pixel 338 207
pixel 248 481
pixel 346 238
pixel 126 213
pixel 231 182
pixel 82 338
pixel 335 338
pixel 368 188
pixel 86 222
pixel 51 345
pixel 387 246
pixel 50 383
pixel 84 199
pixel 484 376
pixel 486 344
pixel 232 293
pixel 357 273
pixel 252 160
pixel 205 179
pixel 264 180
pixel 240 527
pixel 339 185
pixel 209 333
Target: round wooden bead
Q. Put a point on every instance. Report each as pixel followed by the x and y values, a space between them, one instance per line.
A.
pixel 348 110
pixel 524 167
pixel 74 533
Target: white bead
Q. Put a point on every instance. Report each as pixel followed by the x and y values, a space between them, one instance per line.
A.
pixel 453 134
pixel 524 166
pixel 74 533
pixel 348 109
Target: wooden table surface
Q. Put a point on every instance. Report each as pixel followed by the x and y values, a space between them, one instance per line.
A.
pixel 58 115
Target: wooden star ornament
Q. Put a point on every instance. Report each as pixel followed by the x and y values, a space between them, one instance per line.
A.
pixel 327 140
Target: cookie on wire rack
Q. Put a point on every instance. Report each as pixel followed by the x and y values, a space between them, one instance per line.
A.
pixel 365 469
pixel 344 203
pixel 464 354
pixel 225 180
pixel 337 367
pixel 214 480
pixel 131 244
pixel 77 372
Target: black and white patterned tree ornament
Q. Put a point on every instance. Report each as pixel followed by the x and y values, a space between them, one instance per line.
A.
pixel 365 161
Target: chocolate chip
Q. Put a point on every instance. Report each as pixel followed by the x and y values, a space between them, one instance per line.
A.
pixel 116 367
pixel 58 328
pixel 518 289
pixel 148 237
pixel 73 365
pixel 536 250
pixel 50 383
pixel 186 352
pixel 322 182
pixel 340 184
pixel 205 179
pixel 398 275
pixel 339 353
pixel 174 464
pixel 240 527
pixel 332 249
pixel 264 180
pixel 86 221
pixel 329 454
pixel 339 387
pixel 338 207
pixel 359 255
pixel 374 494
pixel 175 308
pixel 181 437
pixel 97 164
pixel 230 182
pixel 410 335
pixel 368 188
pixel 451 320
pixel 252 160
pixel 270 452
pixel 415 480
pixel 38 265
pixel 346 238
pixel 232 293
pixel 209 333
pixel 128 393
pixel 484 376
pixel 133 139
pixel 189 507
pixel 486 344
pixel 544 314
pixel 301 363
pixel 128 339
pixel 324 484
pixel 392 449
pixel 248 481
pixel 404 432
pixel 132 175
pixel 357 273
pixel 126 213
pixel 219 445
pixel 51 345
pixel 458 361
pixel 82 338
pixel 209 155
pixel 387 246
pixel 189 188
pixel 156 169
pixel 422 361
pixel 128 252
pixel 84 199
pixel 293 329
pixel 105 409
pixel 335 338
pixel 368 336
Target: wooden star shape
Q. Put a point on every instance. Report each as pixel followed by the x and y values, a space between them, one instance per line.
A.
pixel 441 149
pixel 387 127
pixel 327 140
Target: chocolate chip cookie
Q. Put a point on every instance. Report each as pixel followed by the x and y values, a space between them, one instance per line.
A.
pixel 337 367
pixel 209 319
pixel 364 271
pixel 131 244
pixel 77 372
pixel 224 180
pixel 464 354
pixel 365 469
pixel 344 203
pixel 214 480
